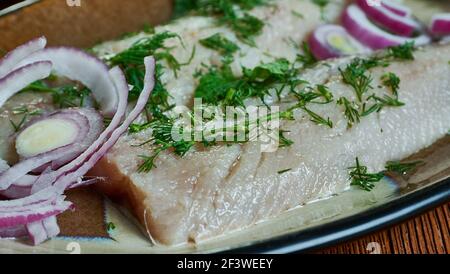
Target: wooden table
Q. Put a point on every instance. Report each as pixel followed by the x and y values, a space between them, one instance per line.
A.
pixel 428 233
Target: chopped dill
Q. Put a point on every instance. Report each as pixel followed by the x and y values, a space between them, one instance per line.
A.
pixel 284 171
pixel 402 52
pixel 307 59
pixel 23 110
pixel 132 62
pixel 351 111
pixel 233 13
pixel 360 177
pixel 392 81
pixel 355 75
pixel 220 43
pixel 402 168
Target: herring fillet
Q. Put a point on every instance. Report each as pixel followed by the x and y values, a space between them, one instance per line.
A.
pixel 221 189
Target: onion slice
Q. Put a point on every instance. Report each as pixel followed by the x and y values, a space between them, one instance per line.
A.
pixel 400 25
pixel 440 24
pixel 359 26
pixel 396 8
pixel 20 78
pixel 331 41
pixel 80 66
pixel 64 164
pixel 149 83
pixel 89 125
pixel 14 57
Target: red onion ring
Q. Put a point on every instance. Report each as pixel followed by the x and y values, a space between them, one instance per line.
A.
pixel 359 26
pixel 322 48
pixel 13 232
pixel 11 59
pixel 149 83
pixel 440 25
pixel 400 25
pixel 88 133
pixel 37 211
pixel 80 66
pixel 20 78
pixel 396 8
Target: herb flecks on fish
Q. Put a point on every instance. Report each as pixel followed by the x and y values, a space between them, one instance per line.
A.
pixel 234 14
pixel 65 96
pixel 27 113
pixel 402 168
pixel 357 75
pixel 221 44
pixel 360 177
pixel 132 62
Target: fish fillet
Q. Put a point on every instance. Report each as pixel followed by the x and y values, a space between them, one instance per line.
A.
pixel 224 188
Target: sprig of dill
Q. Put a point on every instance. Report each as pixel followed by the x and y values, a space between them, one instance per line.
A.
pixel 27 113
pixel 66 96
pixel 232 13
pixel 360 176
pixel 131 61
pixel 221 44
pixel 402 168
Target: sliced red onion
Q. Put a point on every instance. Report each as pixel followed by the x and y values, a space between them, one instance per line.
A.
pixel 397 24
pixel 42 230
pixel 331 41
pixel 89 124
pixel 80 66
pixel 13 232
pixel 440 24
pixel 149 83
pixel 37 212
pixel 396 8
pixel 14 57
pixel 32 214
pixel 16 192
pixel 20 78
pixel 359 26
pixel 121 85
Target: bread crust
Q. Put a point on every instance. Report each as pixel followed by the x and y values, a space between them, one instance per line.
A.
pixel 84 26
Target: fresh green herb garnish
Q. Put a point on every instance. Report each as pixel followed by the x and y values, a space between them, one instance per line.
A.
pixel 319 120
pixel 351 111
pixel 220 86
pixel 221 44
pixel 402 52
pixel 26 114
pixel 132 62
pixel 355 75
pixel 322 4
pixel 362 178
pixel 110 226
pixel 284 171
pixel 392 81
pixel 232 13
pixel 402 168
pixel 65 96
pixel 307 59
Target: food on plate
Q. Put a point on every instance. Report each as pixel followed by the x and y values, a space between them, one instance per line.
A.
pixel 145 118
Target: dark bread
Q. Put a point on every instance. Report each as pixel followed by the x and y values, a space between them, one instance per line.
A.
pixel 94 21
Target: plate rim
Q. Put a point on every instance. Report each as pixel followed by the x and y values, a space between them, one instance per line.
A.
pixel 363 223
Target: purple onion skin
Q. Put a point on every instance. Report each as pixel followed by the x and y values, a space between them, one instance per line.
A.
pixel 397 10
pixel 440 28
pixel 372 41
pixel 320 51
pixel 392 25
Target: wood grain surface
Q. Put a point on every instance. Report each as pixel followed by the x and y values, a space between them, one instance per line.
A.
pixel 428 233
